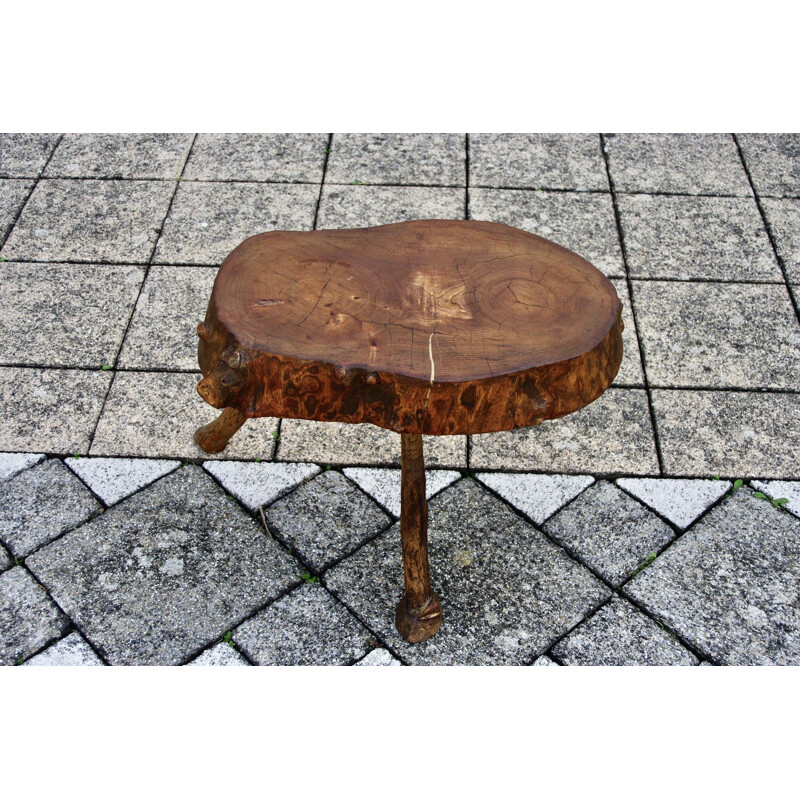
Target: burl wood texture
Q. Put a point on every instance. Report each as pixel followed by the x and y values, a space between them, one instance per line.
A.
pixel 433 326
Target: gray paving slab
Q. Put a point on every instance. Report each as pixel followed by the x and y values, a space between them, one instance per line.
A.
pixel 681 501
pixel 730 586
pixel 706 433
pixel 220 655
pixel 783 217
pixel 545 661
pixel 23 155
pixel 378 658
pixel 279 157
pixel 612 434
pixel 41 503
pixel 619 635
pixel 385 484
pixel 207 220
pixel 12 463
pixel 28 617
pixel 54 410
pixel 507 593
pixel 259 484
pixel 774 162
pixel 707 238
pixel 781 490
pixel 155 415
pixel 307 627
pixel 325 518
pixel 13 194
pixel 113 479
pixel 609 531
pixel 89 220
pixel 392 158
pixel 583 223
pixel 683 163
pixel 5 559
pixel 718 335
pixel 365 206
pixel 630 371
pixel 164 573
pixel 341 443
pixel 163 330
pixel 71 651
pixel 119 155
pixel 537 161
pixel 69 315
pixel 536 496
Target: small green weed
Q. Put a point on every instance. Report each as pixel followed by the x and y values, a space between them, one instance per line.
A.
pixel 308 578
pixel 106 367
pixel 647 562
pixel 328 467
pixel 737 484
pixel 19 662
pixel 355 183
pixel 276 436
pixel 777 502
pixel 228 638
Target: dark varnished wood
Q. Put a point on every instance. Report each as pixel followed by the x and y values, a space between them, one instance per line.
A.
pixel 434 326
pixel 419 613
pixel 428 327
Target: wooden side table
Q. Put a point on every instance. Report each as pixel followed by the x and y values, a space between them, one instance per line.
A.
pixel 427 327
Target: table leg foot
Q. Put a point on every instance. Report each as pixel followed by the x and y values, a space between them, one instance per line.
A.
pixel 214 437
pixel 419 624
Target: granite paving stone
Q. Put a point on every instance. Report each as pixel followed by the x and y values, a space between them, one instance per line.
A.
pixel 385 484
pixel 507 593
pixel 28 617
pixel 220 655
pixel 306 627
pixel 41 503
pixel 612 434
pixel 783 217
pixel 325 518
pixel 155 415
pixel 536 496
pixel 545 661
pixel 776 490
pixel 113 479
pixel 5 559
pixel 537 161
pixel 279 157
pixel 207 220
pixel 681 501
pixel 583 223
pixel 23 155
pixel 71 315
pixel 706 238
pixel 706 433
pixel 119 155
pixel 392 158
pixel 71 651
pixel 630 371
pixel 164 573
pixel 13 194
pixel 342 443
pixel 50 409
pixel 693 163
pixel 619 635
pixel 378 658
pixel 718 335
pixel 730 586
pixel 12 463
pixel 163 330
pixel 259 484
pixel 365 206
pixel 774 162
pixel 116 221
pixel 609 531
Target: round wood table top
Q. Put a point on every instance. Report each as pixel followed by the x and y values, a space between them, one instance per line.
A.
pixel 431 326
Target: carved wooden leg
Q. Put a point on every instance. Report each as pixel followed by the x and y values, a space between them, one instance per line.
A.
pixel 214 437
pixel 419 614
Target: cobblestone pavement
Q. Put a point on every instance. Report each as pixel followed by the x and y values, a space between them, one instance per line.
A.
pixel 659 525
